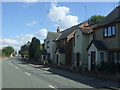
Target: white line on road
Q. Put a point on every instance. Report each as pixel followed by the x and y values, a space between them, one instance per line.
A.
pixel 27 73
pixel 16 67
pixel 51 86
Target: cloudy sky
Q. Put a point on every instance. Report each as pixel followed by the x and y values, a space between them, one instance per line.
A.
pixel 23 20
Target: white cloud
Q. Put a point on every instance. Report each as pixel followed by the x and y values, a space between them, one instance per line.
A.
pixel 32 23
pixel 22 39
pixel 25 38
pixel 42 33
pixel 10 42
pixel 61 15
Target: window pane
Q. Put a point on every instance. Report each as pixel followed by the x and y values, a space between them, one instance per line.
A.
pixel 105 31
pixel 109 31
pixel 113 30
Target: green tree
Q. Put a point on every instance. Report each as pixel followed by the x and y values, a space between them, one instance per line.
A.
pixel 95 19
pixel 24 50
pixel 8 50
pixel 34 49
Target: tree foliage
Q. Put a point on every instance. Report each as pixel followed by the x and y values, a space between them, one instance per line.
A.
pixel 24 50
pixel 7 51
pixel 95 19
pixel 34 49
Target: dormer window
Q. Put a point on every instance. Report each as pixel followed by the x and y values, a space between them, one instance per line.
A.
pixel 109 31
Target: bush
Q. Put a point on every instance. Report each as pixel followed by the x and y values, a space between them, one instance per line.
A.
pixel 109 67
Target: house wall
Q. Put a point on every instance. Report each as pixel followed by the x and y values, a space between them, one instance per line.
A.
pixel 86 39
pixel 92 49
pixel 51 47
pixel 61 59
pixel 77 46
pixel 81 44
pixel 107 41
pixel 118 29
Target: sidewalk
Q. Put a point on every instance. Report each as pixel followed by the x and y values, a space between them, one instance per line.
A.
pixel 80 77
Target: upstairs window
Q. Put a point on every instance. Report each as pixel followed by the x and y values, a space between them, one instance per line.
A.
pixel 109 31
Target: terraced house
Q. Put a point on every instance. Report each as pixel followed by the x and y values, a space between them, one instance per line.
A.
pixel 105 45
pixel 50 46
pixel 82 37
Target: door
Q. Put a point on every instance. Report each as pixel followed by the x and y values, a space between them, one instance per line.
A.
pixel 93 58
pixel 57 58
pixel 78 58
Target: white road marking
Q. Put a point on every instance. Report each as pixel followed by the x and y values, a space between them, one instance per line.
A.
pixel 27 73
pixel 51 86
pixel 16 67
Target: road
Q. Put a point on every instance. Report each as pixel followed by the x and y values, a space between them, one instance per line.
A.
pixel 20 75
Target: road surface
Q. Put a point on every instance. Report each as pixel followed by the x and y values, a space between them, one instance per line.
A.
pixel 20 75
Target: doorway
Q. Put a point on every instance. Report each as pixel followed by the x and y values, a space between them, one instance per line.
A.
pixel 93 58
pixel 57 58
pixel 78 59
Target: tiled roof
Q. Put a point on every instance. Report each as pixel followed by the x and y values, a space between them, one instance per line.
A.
pixel 98 44
pixel 87 29
pixel 67 32
pixel 113 17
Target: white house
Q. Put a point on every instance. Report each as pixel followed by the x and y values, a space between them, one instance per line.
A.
pixel 50 46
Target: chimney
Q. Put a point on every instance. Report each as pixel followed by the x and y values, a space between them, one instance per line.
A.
pixel 58 30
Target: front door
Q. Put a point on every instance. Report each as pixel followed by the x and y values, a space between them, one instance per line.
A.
pixel 93 58
pixel 57 58
pixel 78 58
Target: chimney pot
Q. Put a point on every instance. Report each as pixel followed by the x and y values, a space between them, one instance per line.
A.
pixel 58 30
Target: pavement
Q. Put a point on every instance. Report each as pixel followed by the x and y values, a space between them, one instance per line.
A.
pixel 17 74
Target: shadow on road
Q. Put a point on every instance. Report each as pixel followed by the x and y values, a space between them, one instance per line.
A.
pixel 84 79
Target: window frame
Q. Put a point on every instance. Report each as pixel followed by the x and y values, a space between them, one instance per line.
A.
pixel 106 31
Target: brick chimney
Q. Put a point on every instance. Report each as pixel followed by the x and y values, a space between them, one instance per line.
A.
pixel 58 30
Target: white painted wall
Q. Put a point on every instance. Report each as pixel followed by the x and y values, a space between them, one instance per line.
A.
pixel 81 45
pixel 78 46
pixel 92 49
pixel 98 61
pixel 51 36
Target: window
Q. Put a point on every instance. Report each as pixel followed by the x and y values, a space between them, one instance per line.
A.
pixel 47 44
pixel 113 30
pixel 102 56
pixel 105 31
pixel 109 31
pixel 114 57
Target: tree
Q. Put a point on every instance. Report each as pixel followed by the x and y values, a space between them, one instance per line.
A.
pixel 8 50
pixel 95 19
pixel 34 49
pixel 24 50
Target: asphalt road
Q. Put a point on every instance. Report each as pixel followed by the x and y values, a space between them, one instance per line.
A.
pixel 20 75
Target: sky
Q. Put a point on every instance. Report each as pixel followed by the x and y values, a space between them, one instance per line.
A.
pixel 23 20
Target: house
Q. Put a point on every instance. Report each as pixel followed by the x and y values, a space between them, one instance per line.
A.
pixel 43 52
pixel 82 37
pixel 64 45
pixel 105 46
pixel 50 46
